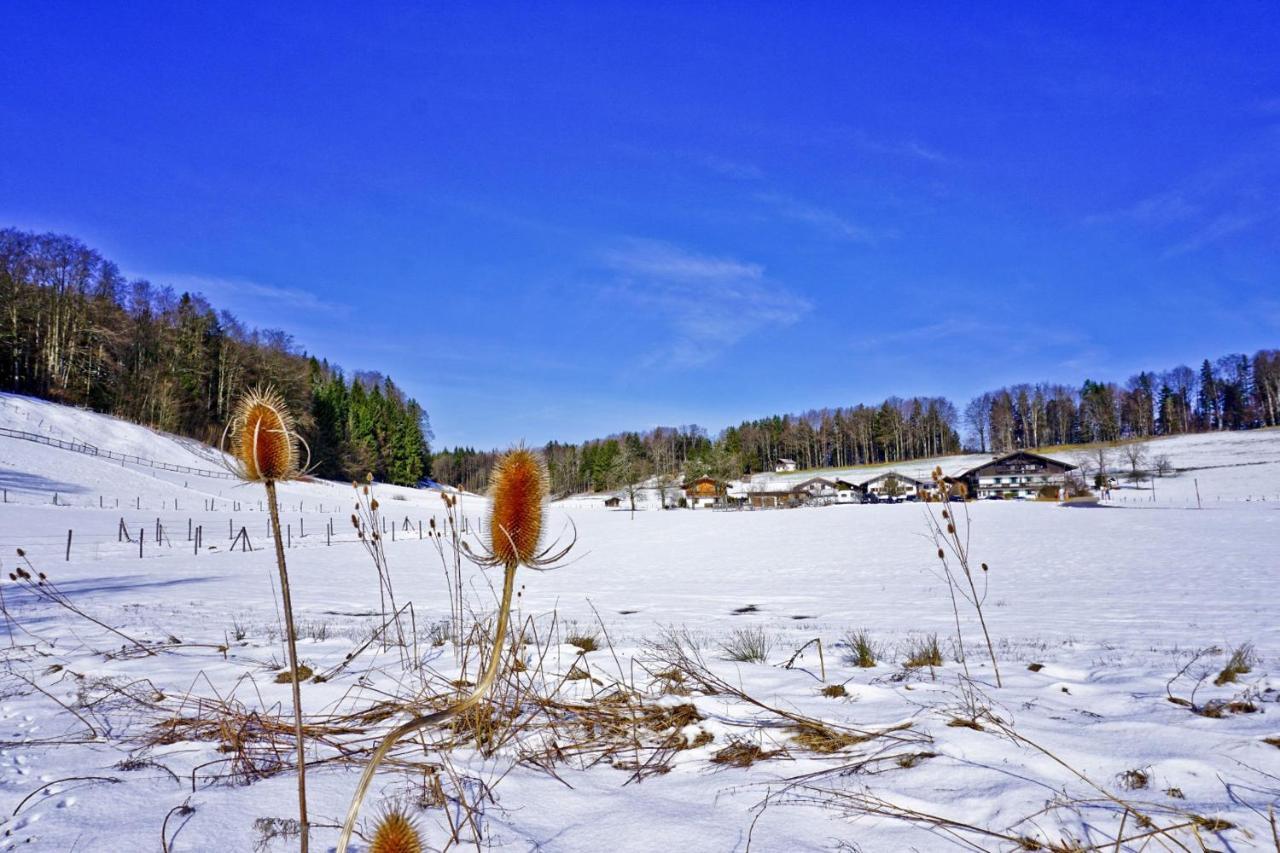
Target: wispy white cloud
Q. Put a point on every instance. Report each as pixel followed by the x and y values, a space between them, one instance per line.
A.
pixel 706 304
pixel 1217 229
pixel 824 219
pixel 240 294
pixel 735 169
pixel 1160 209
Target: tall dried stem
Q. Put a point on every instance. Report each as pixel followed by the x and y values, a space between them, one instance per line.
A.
pixel 292 636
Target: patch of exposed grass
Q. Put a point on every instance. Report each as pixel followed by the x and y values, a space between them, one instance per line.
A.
pixel 748 645
pixel 911 759
pixel 285 677
pixel 585 642
pixel 1134 780
pixel 835 691
pixel 1273 741
pixel 863 651
pixel 1240 663
pixel 818 738
pixel 923 651
pixel 961 723
pixel 742 753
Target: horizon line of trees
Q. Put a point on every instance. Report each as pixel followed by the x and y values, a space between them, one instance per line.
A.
pixel 1232 392
pixel 75 331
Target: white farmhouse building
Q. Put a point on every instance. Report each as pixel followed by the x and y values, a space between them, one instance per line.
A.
pixel 1021 474
pixel 891 484
pixel 785 466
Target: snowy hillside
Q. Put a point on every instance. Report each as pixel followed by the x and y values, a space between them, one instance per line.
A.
pixel 1099 617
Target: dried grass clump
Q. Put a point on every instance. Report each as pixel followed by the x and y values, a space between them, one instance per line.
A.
pixel 741 752
pixel 1134 780
pixel 835 691
pixel 923 651
pixel 819 738
pixel 863 651
pixel 286 676
pixel 1240 663
pixel 748 645
pixel 586 641
pixel 396 833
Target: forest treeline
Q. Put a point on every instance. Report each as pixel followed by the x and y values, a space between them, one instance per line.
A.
pixel 76 331
pixel 1230 393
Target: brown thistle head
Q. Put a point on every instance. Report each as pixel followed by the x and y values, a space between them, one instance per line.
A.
pixel 263 439
pixel 517 489
pixel 396 833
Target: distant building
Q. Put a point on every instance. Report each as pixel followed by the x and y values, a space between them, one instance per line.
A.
pixel 847 493
pixel 1020 474
pixel 704 492
pixel 816 490
pixel 777 498
pixel 613 502
pixel 891 484
pixel 785 466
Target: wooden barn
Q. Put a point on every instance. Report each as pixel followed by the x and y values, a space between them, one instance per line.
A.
pixel 613 502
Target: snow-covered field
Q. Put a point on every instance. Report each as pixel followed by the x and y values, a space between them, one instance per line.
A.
pixel 1109 604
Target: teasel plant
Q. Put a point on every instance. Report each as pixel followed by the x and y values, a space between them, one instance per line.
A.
pixel 951 538
pixel 518 490
pixel 264 445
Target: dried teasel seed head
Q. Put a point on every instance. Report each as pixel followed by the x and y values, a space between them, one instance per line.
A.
pixel 945 514
pixel 12 576
pixel 941 555
pixel 951 528
pixel 984 567
pixel 373 504
pixel 355 522
pixel 368 477
pixel 395 833
pixel 21 553
pixel 517 489
pixel 263 439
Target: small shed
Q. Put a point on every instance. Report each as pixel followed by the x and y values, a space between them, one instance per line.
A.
pixel 785 466
pixel 613 502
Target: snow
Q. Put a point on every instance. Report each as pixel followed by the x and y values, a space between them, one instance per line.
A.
pixel 1111 602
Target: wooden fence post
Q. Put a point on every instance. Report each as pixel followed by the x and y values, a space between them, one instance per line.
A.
pixel 68 560
pixel 142 531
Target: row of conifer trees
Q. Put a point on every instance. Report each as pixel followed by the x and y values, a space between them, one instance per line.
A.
pixel 75 330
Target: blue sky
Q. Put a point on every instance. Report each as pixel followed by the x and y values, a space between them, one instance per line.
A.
pixel 564 220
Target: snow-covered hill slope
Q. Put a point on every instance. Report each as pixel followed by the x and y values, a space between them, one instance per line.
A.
pixel 1118 608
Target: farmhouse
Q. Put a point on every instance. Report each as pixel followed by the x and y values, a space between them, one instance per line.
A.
pixel 847 493
pixel 785 466
pixel 891 484
pixel 1021 474
pixel 817 490
pixel 704 492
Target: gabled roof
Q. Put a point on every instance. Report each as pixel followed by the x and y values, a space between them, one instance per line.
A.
pixel 696 480
pixel 822 481
pixel 1066 466
pixel 895 474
